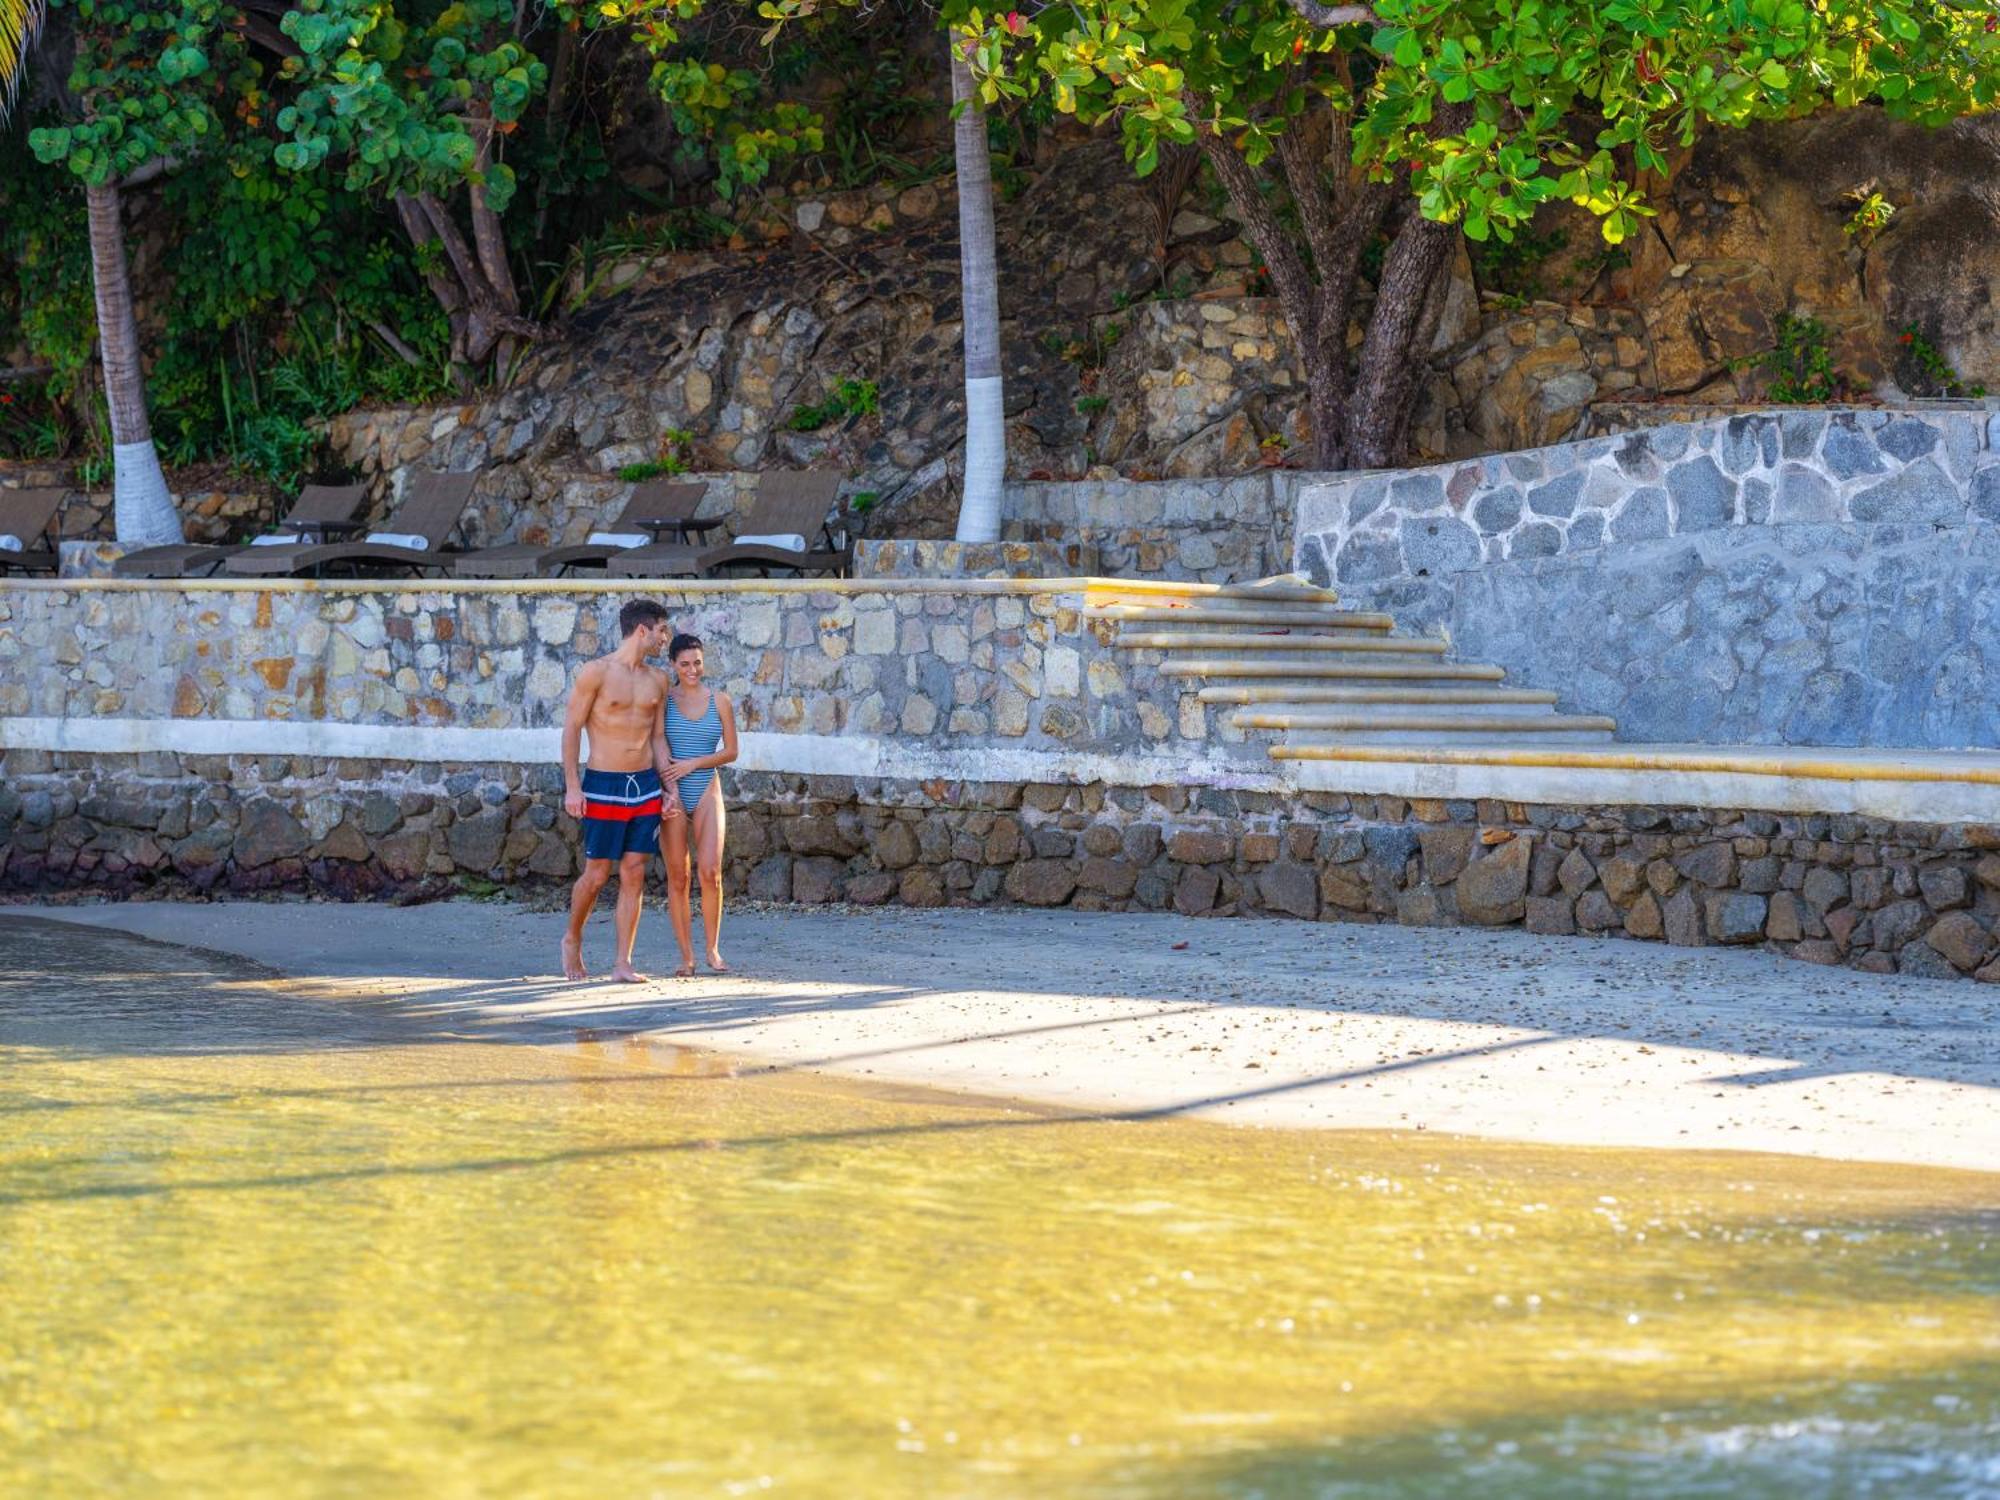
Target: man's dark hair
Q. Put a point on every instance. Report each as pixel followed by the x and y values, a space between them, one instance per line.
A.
pixel 640 612
pixel 681 644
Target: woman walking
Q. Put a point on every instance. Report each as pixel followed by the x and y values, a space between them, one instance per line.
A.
pixel 701 735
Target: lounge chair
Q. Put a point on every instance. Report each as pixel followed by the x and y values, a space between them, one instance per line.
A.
pixel 28 531
pixel 785 528
pixel 656 506
pixel 423 522
pixel 320 511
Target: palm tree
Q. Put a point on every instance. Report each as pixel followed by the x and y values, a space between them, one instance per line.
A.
pixel 979 280
pixel 143 511
pixel 19 20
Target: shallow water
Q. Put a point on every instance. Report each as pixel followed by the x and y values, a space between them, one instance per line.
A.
pixel 255 1244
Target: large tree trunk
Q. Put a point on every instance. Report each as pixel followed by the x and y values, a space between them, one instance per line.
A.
pixel 143 511
pixel 985 416
pixel 1392 354
pixel 479 314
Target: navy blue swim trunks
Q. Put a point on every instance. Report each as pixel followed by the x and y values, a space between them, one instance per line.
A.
pixel 621 813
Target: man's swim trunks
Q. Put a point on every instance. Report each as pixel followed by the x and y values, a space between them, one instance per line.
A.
pixel 621 813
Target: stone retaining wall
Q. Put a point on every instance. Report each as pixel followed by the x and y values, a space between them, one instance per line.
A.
pixel 939 665
pixel 1232 530
pixel 1812 577
pixel 1914 898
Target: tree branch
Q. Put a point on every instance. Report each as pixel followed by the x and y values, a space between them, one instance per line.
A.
pixel 157 168
pixel 1288 270
pixel 1307 181
pixel 1332 15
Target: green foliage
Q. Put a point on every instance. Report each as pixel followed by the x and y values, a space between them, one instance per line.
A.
pixel 1090 406
pixel 401 94
pixel 1800 364
pixel 149 79
pixel 31 424
pixel 651 468
pixel 676 457
pixel 1089 351
pixel 1922 369
pixel 1494 107
pixel 847 400
pixel 1514 267
pixel 1871 215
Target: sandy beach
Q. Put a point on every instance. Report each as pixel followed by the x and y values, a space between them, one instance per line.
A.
pixel 1496 1034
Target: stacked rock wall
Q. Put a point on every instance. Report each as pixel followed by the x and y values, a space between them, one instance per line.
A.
pixel 935 666
pixel 1914 898
pixel 1811 577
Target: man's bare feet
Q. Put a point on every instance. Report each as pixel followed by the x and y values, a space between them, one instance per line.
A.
pixel 624 973
pixel 715 961
pixel 572 959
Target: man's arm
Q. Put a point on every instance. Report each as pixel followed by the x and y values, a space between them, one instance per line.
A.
pixel 582 698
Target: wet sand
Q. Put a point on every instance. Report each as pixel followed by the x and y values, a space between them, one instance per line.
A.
pixel 1496 1034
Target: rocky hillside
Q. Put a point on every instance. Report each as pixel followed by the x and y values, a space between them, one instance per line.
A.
pixel 1137 335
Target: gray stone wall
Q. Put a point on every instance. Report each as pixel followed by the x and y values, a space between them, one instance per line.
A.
pixel 1913 898
pixel 1227 530
pixel 933 664
pixel 1810 577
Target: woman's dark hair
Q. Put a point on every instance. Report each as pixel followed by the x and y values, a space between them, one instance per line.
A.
pixel 640 612
pixel 681 644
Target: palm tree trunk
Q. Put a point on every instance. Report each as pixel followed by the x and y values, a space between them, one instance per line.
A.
pixel 985 417
pixel 142 510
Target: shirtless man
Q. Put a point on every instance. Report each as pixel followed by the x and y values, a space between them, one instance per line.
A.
pixel 620 701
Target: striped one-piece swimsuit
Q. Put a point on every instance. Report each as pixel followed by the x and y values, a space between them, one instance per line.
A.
pixel 689 739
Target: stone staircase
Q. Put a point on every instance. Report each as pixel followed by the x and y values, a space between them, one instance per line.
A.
pixel 1283 661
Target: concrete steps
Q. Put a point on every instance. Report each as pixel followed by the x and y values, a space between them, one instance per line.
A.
pixel 1242 615
pixel 1278 640
pixel 1276 697
pixel 1397 725
pixel 1306 675
pixel 1296 671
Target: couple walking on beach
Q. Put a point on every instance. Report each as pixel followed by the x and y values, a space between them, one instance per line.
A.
pixel 649 786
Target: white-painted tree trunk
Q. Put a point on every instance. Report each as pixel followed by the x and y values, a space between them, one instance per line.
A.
pixel 985 419
pixel 142 510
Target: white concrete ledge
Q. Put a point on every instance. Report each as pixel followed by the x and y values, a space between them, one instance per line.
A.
pixel 1096 587
pixel 794 754
pixel 1905 785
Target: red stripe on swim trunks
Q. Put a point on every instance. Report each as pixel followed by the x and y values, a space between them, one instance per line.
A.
pixel 621 812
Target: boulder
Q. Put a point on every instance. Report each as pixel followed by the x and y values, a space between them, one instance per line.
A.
pixel 269 832
pixel 1962 938
pixel 817 879
pixel 770 879
pixel 1736 917
pixel 1493 891
pixel 1289 888
pixel 1041 882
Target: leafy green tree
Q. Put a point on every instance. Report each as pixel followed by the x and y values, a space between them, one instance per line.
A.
pixel 19 21
pixel 142 94
pixel 414 100
pixel 1415 121
pixel 714 102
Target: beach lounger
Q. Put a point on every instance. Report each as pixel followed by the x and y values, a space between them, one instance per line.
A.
pixel 28 530
pixel 321 512
pixel 423 523
pixel 785 528
pixel 658 507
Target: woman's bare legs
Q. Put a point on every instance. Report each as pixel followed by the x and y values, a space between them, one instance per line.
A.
pixel 674 845
pixel 708 823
